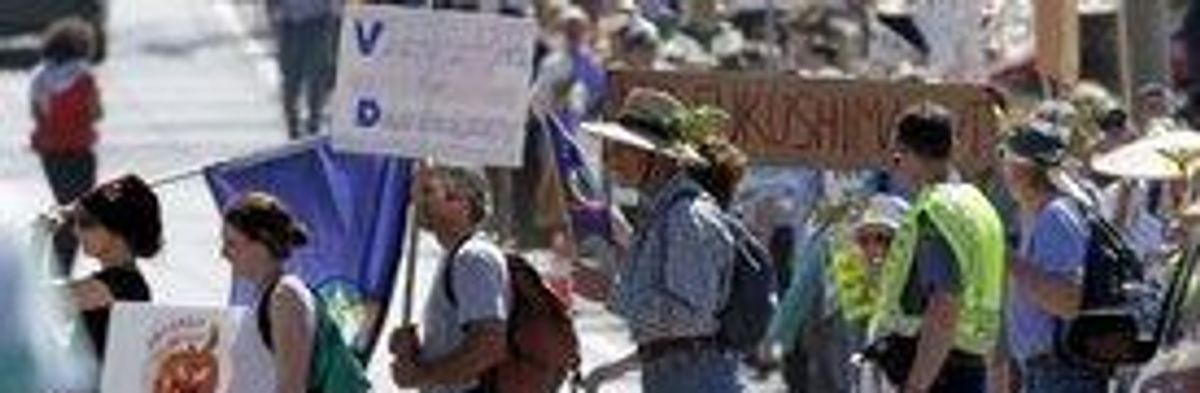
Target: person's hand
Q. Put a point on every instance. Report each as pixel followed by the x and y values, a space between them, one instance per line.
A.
pixel 90 295
pixel 405 372
pixel 404 343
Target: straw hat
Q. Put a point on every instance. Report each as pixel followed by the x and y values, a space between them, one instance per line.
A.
pixel 1166 155
pixel 648 120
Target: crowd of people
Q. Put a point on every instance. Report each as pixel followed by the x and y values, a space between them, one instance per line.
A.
pixel 915 277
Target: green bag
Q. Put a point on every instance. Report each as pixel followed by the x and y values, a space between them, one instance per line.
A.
pixel 334 368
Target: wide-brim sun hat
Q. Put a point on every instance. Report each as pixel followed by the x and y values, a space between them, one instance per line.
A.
pixel 1161 156
pixel 649 121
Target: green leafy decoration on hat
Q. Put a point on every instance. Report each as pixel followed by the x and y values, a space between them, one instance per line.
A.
pixel 696 126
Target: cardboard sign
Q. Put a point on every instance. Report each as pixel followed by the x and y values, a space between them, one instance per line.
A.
pixel 1056 32
pixel 433 84
pixel 823 124
pixel 155 349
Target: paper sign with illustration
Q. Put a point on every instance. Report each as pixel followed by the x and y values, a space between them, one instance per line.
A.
pixel 170 349
pixel 445 85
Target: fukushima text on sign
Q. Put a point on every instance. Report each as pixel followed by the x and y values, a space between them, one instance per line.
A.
pixel 828 124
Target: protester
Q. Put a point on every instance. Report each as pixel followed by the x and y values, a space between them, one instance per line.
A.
pixel 464 328
pixel 302 346
pixel 1046 274
pixel 637 46
pixel 65 104
pixel 117 222
pixel 671 284
pixel 823 319
pixel 306 37
pixel 940 300
pixel 703 38
pixel 258 236
pixel 1156 105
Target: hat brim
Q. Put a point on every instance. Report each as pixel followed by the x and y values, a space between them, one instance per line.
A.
pixel 620 134
pixel 876 223
pixel 1164 156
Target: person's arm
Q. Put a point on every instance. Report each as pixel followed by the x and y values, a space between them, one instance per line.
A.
pixel 936 340
pixel 95 108
pixel 1052 272
pixel 293 324
pixel 480 284
pixel 1056 295
pixel 610 371
pixel 90 294
pixel 1000 372
pixel 484 347
pixel 938 281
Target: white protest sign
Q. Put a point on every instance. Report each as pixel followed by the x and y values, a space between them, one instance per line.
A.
pixel 433 84
pixel 954 32
pixel 154 348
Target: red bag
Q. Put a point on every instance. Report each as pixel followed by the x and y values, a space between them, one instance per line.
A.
pixel 543 346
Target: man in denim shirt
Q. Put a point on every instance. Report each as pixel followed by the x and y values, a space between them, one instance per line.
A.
pixel 1045 279
pixel 675 277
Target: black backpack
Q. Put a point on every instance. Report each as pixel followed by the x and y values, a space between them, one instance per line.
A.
pixel 1119 317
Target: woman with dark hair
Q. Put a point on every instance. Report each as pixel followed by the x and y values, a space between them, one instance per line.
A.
pixel 309 353
pixel 258 236
pixel 65 105
pixel 117 223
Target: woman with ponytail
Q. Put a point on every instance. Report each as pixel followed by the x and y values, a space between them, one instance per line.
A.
pixel 259 235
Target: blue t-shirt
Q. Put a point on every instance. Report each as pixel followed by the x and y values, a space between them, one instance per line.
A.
pixel 1057 245
pixel 935 269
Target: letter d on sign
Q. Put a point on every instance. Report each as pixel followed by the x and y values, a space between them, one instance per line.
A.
pixel 366 34
pixel 367 113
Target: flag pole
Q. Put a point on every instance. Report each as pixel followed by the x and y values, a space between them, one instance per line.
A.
pixel 412 240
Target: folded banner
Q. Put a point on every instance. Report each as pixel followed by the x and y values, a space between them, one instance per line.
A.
pixel 354 207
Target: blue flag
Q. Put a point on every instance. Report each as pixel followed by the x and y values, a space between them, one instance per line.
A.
pixel 354 207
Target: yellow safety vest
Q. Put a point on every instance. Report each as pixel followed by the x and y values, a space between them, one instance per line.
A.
pixel 973 230
pixel 855 289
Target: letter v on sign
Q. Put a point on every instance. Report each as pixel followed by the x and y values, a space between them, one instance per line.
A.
pixel 367 35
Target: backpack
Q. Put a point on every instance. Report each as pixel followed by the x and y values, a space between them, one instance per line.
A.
pixel 543 345
pixel 746 314
pixel 334 367
pixel 752 292
pixel 1116 324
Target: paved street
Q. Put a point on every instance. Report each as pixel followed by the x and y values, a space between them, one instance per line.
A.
pixel 184 86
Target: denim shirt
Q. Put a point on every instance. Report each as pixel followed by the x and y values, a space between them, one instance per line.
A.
pixel 676 276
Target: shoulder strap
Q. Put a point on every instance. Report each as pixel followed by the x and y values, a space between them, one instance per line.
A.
pixel 264 317
pixel 448 277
